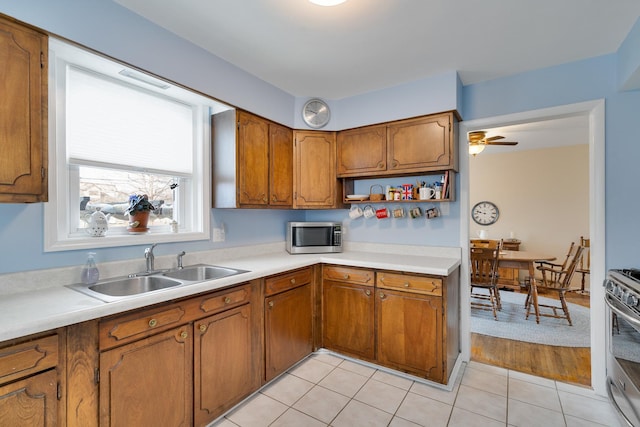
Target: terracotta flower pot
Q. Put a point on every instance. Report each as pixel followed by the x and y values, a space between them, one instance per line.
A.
pixel 138 222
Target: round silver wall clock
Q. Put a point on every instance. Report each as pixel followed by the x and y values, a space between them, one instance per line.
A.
pixel 316 113
pixel 485 213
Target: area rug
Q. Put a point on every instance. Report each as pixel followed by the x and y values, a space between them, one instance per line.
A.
pixel 511 323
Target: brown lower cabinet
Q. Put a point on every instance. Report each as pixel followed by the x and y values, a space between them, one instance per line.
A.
pixel 179 364
pixel 406 322
pixel 288 320
pixel 29 384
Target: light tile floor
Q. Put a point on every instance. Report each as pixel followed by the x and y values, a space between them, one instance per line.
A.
pixel 327 390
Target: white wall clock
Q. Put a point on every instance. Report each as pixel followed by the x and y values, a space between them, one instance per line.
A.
pixel 485 213
pixel 316 113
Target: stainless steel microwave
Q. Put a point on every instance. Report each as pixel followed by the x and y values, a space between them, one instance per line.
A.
pixel 314 237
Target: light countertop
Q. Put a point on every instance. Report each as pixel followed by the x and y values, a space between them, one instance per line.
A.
pixel 30 311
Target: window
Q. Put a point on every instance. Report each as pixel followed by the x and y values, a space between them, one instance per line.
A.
pixel 115 132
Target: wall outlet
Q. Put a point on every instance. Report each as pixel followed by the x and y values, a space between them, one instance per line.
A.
pixel 218 234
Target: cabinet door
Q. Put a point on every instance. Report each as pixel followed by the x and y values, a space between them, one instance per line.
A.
pixel 421 145
pixel 315 183
pixel 410 333
pixel 280 166
pixel 23 128
pixel 348 319
pixel 223 360
pixel 288 329
pixel 148 382
pixel 253 160
pixel 31 402
pixel 361 151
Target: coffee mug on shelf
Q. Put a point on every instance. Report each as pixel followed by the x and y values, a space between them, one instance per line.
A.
pixel 382 213
pixel 398 213
pixel 369 212
pixel 426 193
pixel 355 212
pixel 432 213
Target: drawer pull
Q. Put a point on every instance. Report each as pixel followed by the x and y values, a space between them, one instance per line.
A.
pixel 184 334
pixel 367 292
pixel 293 281
pixel 382 295
pixel 153 323
pixel 406 284
pixel 227 300
pixel 382 278
pixel 203 328
pixel 345 277
pixel 270 304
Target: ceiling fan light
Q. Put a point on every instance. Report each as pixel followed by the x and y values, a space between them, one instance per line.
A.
pixel 327 2
pixel 476 149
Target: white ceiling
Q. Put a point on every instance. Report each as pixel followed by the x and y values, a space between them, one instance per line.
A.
pixel 366 45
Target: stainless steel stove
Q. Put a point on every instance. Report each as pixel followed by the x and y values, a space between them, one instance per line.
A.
pixel 622 295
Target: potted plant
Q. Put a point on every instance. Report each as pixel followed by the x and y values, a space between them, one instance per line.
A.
pixel 139 209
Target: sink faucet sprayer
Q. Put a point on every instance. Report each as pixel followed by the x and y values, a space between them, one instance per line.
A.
pixel 148 256
pixel 180 255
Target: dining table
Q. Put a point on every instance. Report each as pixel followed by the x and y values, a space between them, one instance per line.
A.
pixel 525 260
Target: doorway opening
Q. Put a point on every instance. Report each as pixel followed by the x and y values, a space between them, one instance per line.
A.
pixel 592 116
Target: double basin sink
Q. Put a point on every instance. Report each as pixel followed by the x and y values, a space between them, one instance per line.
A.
pixel 120 288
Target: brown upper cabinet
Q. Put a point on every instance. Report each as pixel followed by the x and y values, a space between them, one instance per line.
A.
pixel 23 122
pixel 314 171
pixel 412 146
pixel 265 163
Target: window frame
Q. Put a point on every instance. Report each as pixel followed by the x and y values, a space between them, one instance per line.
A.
pixel 58 235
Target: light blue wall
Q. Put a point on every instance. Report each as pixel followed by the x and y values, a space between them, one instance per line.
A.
pixel 590 79
pixel 105 26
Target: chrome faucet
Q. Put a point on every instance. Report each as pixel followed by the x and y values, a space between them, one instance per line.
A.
pixel 148 256
pixel 180 255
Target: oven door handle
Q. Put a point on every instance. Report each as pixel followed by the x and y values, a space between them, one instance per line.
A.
pixel 610 384
pixel 622 311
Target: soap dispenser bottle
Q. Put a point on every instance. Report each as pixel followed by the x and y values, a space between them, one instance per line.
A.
pixel 90 273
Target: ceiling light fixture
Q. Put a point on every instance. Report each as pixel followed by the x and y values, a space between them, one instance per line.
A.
pixel 476 149
pixel 327 2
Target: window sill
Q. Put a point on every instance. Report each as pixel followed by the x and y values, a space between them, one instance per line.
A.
pixel 108 241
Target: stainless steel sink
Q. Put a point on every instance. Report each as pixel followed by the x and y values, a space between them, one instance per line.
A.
pixel 124 287
pixel 133 285
pixel 202 272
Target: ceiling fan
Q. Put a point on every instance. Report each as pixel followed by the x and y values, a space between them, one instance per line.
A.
pixel 478 141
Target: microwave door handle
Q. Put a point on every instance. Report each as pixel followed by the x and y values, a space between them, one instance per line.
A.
pixel 619 311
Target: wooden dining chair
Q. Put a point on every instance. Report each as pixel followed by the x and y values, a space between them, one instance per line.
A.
pixel 484 275
pixel 584 268
pixel 555 278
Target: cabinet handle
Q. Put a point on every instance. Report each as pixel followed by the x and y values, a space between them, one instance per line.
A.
pixel 367 292
pixel 264 199
pixel 227 300
pixel 153 323
pixel 382 278
pixel 270 304
pixel 202 328
pixel 184 334
pixel 382 295
pixel 345 277
pixel 406 284
pixel 293 281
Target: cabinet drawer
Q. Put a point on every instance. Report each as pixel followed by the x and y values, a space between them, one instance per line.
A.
pixel 28 358
pixel 348 274
pixel 221 301
pixel 122 329
pixel 283 282
pixel 408 282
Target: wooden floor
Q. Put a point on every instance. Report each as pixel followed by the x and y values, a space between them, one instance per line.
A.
pixel 567 364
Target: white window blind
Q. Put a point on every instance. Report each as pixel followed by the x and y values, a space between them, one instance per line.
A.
pixel 145 132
